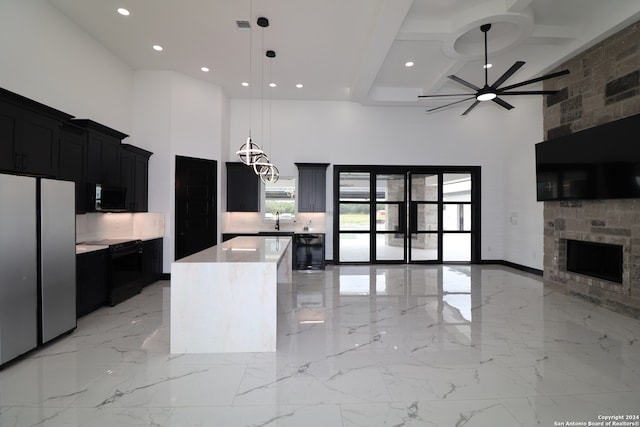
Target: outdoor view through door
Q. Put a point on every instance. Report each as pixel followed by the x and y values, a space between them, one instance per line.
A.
pixel 394 214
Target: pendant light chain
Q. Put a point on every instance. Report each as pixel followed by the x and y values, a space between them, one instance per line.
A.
pixel 249 152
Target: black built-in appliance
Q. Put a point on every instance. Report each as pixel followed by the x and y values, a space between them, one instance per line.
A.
pixel 108 198
pixel 125 268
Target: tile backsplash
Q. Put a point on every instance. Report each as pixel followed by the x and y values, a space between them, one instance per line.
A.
pixel 97 226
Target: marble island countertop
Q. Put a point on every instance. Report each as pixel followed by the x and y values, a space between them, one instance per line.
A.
pixel 242 249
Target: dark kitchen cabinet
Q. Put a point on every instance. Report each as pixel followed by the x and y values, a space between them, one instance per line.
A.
pixel 243 188
pixel 134 172
pixel 309 251
pixel 92 275
pixel 312 187
pixel 29 135
pixel 72 161
pixel 103 152
pixel 151 260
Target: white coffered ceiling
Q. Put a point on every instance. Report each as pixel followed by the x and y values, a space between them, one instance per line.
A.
pixel 349 49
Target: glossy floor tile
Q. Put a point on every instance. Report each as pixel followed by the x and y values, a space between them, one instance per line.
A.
pixel 357 346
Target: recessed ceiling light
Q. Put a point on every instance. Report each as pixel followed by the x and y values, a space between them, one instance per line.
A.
pixel 487 66
pixel 299 85
pixel 124 12
pixel 157 47
pixel 245 84
pixel 205 69
pixel 272 85
pixel 408 64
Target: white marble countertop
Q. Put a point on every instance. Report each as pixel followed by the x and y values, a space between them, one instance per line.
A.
pixel 243 249
pixel 83 249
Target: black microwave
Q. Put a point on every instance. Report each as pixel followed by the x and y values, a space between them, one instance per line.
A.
pixel 110 198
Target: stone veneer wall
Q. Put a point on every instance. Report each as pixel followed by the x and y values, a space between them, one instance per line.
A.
pixel 603 85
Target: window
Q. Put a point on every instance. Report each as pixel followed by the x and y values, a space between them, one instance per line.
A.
pixel 280 197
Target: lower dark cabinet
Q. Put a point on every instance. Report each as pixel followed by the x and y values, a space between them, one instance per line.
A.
pixel 151 261
pixel 92 276
pixel 308 251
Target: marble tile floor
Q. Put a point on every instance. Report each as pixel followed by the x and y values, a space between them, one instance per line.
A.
pixel 357 346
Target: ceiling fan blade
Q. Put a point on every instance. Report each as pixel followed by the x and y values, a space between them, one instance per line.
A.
pixel 511 71
pixel 470 108
pixel 449 104
pixel 529 92
pixel 444 95
pixel 463 82
pixel 502 103
pixel 537 79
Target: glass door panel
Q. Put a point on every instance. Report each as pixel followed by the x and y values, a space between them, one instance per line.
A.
pixel 390 187
pixel 354 247
pixel 456 217
pixel 424 217
pixel 424 187
pixel 391 218
pixel 354 218
pixel 456 247
pixel 424 247
pixel 456 187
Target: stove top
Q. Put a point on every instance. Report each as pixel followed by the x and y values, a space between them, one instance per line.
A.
pixel 110 242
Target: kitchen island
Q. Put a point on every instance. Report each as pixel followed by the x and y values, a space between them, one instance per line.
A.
pixel 224 298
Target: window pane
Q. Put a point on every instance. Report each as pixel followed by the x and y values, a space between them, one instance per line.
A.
pixel 427 219
pixel 388 217
pixel 280 197
pixel 424 246
pixel 390 188
pixel 424 188
pixel 389 247
pixel 456 187
pixel 354 186
pixel 354 247
pixel 456 217
pixel 355 216
pixel 456 247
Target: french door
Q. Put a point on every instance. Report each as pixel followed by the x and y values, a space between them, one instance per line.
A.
pixel 406 214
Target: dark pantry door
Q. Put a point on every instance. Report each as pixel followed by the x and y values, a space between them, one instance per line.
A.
pixel 196 204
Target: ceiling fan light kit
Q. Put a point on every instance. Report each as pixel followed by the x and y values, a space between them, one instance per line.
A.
pixel 494 92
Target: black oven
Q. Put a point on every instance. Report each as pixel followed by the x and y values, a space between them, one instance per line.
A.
pixel 125 269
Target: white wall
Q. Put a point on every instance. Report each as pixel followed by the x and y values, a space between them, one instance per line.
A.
pixel 47 58
pixel 348 133
pixel 176 115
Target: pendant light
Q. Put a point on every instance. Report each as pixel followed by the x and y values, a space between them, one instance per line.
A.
pixel 262 165
pixel 249 152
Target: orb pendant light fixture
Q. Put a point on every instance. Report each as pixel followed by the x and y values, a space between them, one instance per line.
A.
pixel 249 152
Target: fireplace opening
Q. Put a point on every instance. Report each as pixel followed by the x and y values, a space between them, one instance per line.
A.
pixel 600 260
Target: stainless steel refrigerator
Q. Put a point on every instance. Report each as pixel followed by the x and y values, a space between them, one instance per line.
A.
pixel 37 262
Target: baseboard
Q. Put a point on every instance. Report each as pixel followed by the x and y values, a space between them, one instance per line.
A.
pixel 165 276
pixel 520 267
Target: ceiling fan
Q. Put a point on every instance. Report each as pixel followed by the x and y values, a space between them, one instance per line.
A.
pixel 494 92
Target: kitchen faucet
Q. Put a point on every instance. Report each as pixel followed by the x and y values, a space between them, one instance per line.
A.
pixel 277 220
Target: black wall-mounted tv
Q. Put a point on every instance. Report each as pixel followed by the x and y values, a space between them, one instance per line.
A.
pixel 602 162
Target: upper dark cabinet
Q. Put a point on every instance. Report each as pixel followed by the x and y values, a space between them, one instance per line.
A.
pixel 312 187
pixel 243 188
pixel 29 133
pixel 103 152
pixel 134 172
pixel 72 161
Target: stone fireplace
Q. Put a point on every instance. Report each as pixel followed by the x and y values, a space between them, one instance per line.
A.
pixel 612 222
pixel 603 86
